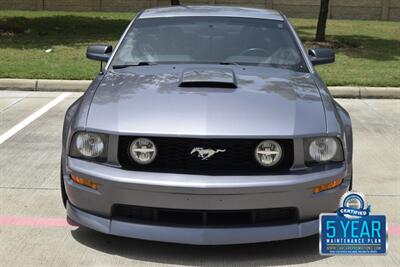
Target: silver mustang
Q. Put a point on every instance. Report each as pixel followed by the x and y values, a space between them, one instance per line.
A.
pixel 208 125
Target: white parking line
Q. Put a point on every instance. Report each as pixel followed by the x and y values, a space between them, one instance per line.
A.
pixel 4 137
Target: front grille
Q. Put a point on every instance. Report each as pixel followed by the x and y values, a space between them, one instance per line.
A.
pixel 206 218
pixel 173 155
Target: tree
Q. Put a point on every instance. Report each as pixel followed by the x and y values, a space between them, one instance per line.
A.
pixel 175 2
pixel 322 18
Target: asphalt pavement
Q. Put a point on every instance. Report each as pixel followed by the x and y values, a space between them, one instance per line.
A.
pixel 34 230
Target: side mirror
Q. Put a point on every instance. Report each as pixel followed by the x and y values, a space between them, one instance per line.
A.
pixel 99 52
pixel 321 56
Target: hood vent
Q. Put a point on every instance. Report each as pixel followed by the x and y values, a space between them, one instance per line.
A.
pixel 208 77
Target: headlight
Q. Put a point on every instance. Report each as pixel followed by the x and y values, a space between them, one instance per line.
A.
pixel 325 149
pixel 268 153
pixel 88 145
pixel 143 151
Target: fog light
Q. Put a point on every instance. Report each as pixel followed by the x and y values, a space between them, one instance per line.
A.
pixel 143 151
pixel 84 182
pixel 328 186
pixel 268 153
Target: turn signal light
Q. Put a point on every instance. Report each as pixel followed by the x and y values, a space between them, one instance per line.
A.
pixel 84 182
pixel 328 186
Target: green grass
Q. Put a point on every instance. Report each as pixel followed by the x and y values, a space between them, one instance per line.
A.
pixel 26 36
pixel 367 52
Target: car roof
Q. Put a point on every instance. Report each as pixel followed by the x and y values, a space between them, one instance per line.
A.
pixel 211 11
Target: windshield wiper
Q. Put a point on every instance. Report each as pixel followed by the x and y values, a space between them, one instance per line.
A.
pixel 145 63
pixel 142 63
pixel 229 63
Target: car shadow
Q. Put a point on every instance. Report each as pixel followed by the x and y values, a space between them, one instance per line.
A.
pixel 65 30
pixel 296 251
pixel 356 45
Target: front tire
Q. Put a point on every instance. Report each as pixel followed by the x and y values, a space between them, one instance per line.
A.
pixel 64 196
pixel 351 181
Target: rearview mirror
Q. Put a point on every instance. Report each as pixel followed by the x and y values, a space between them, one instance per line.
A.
pixel 321 56
pixel 99 52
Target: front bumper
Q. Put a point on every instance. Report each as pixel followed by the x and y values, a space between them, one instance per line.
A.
pixel 93 208
pixel 192 235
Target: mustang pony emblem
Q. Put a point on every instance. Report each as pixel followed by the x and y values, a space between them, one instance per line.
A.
pixel 204 154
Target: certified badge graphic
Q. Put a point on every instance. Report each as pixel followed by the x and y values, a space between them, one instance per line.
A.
pixel 353 206
pixel 353 230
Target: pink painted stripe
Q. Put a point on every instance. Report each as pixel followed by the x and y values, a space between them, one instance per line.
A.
pixel 36 222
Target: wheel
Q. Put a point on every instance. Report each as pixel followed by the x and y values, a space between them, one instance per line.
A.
pixel 63 192
pixel 351 180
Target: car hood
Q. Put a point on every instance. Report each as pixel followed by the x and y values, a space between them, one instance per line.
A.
pixel 148 100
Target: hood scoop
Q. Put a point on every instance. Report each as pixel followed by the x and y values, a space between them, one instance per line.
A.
pixel 208 77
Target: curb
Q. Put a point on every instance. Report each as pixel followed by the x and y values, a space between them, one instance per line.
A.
pixel 44 85
pixel 365 92
pixel 61 85
pixel 81 86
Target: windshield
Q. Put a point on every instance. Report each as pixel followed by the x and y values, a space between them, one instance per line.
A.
pixel 215 40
